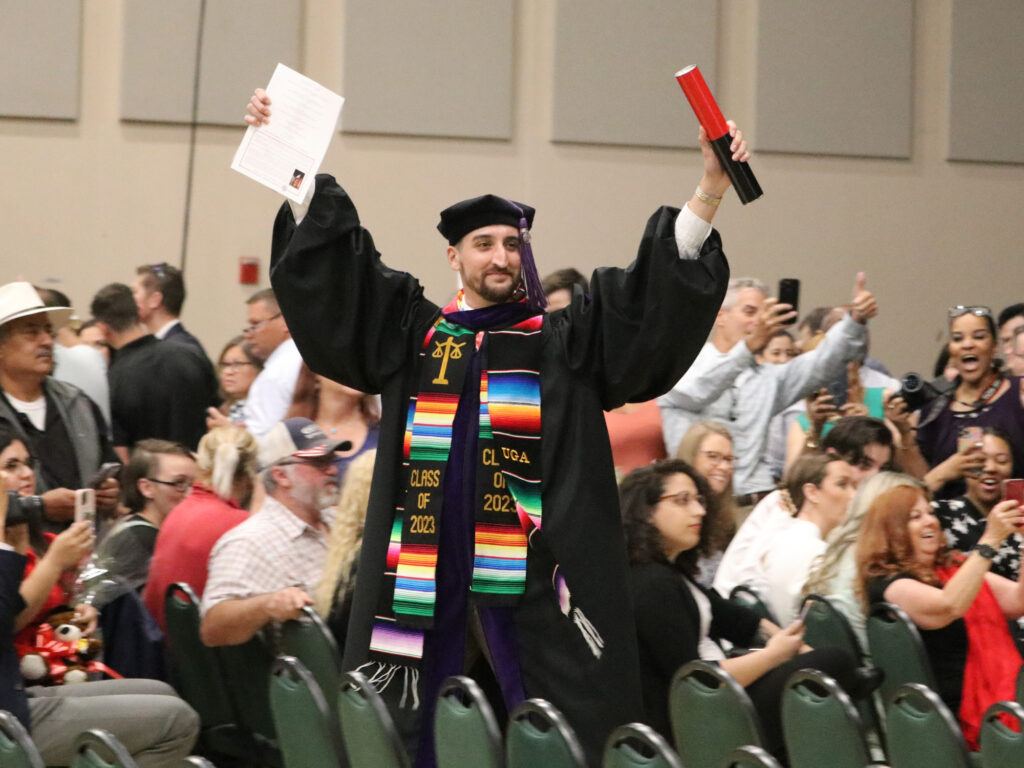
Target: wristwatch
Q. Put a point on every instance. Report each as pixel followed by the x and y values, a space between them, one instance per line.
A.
pixel 985 551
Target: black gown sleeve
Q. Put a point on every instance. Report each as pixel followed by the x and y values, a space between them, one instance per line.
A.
pixel 351 316
pixel 641 327
pixel 12 688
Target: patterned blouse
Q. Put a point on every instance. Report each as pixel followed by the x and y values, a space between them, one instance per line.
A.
pixel 963 524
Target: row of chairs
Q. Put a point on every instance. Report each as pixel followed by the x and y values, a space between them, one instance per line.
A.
pixel 94 748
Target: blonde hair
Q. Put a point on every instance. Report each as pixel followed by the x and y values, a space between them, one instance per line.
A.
pixel 225 454
pixel 826 566
pixel 346 538
pixel 725 524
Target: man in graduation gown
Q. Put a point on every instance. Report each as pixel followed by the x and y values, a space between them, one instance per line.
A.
pixel 493 524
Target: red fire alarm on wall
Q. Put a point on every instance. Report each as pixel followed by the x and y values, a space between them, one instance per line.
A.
pixel 248 270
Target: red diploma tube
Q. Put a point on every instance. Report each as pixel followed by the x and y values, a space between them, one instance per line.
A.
pixel 710 116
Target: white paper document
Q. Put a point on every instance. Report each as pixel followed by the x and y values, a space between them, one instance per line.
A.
pixel 285 154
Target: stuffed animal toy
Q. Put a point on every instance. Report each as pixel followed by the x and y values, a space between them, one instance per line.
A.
pixel 60 654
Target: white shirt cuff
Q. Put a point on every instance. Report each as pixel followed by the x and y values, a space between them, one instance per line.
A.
pixel 299 210
pixel 691 232
pixel 6 547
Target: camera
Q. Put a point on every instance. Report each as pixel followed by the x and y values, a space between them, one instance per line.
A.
pixel 24 509
pixel 918 393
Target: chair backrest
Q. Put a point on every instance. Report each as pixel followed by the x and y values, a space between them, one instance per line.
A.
pixel 1001 746
pixel 311 642
pixel 825 625
pixel 820 724
pixel 465 731
pixel 246 671
pixel 16 747
pixel 638 746
pixel 368 734
pixel 538 734
pixel 711 715
pixel 307 733
pixel 746 596
pixel 896 649
pixel 97 748
pixel 921 731
pixel 751 757
pixel 195 668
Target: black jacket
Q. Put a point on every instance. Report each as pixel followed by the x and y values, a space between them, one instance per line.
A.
pixel 12 686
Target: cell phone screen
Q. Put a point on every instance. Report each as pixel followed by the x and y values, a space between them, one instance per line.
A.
pixel 85 504
pixel 789 293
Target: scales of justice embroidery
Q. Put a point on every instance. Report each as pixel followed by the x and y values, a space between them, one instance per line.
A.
pixel 448 349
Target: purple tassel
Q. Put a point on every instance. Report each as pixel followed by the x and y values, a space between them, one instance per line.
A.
pixel 535 296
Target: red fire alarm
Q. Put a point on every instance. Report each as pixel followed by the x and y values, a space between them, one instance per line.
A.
pixel 248 270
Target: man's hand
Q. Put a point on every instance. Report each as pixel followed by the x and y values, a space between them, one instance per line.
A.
pixel 59 504
pixel 258 109
pixel 770 319
pixel 107 495
pixel 286 604
pixel 716 180
pixel 215 418
pixel 819 410
pixel 864 304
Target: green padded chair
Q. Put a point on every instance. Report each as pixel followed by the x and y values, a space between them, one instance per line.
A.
pixel 16 747
pixel 465 731
pixel 825 626
pixel 246 671
pixel 307 731
pixel 638 746
pixel 539 735
pixel 896 649
pixel 752 757
pixel 711 715
pixel 820 724
pixel 368 734
pixel 922 733
pixel 747 597
pixel 97 748
pixel 198 678
pixel 1000 746
pixel 311 642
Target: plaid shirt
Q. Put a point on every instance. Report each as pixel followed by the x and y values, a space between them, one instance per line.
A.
pixel 271 550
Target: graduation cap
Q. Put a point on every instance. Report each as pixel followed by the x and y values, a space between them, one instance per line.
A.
pixel 460 219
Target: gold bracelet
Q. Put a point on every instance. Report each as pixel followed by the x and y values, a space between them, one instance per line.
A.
pixel 707 199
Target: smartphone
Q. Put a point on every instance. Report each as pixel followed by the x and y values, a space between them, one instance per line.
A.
pixel 1014 489
pixel 104 473
pixel 804 611
pixel 970 439
pixel 85 505
pixel 789 293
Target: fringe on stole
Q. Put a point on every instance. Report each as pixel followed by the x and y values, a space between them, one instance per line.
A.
pixel 385 674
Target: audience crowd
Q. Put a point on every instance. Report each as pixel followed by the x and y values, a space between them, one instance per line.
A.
pixel 786 462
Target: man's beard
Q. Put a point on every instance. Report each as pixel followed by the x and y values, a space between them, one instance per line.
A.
pixel 319 497
pixel 500 295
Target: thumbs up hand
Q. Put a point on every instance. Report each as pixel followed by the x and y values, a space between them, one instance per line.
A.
pixel 864 304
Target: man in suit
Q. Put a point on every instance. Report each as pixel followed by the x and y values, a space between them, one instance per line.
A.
pixel 159 293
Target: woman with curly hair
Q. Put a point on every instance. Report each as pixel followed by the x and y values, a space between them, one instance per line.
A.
pixel 707 447
pixel 959 606
pixel 333 597
pixel 664 513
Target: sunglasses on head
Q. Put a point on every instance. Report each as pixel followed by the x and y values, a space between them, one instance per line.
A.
pixel 960 310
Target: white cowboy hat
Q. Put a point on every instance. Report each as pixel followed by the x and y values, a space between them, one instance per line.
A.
pixel 20 300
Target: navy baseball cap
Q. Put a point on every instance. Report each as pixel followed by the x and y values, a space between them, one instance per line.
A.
pixel 297 438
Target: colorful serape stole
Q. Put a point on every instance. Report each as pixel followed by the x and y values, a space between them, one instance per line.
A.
pixel 508 479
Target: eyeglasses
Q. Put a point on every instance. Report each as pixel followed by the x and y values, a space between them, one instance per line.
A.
pixel 14 465
pixel 253 327
pixel 719 458
pixel 683 498
pixel 322 463
pixel 960 310
pixel 181 485
pixel 232 366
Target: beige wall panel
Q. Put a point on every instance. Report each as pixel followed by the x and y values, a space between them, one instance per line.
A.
pixel 40 47
pixel 614 65
pixel 429 68
pixel 986 81
pixel 834 77
pixel 242 42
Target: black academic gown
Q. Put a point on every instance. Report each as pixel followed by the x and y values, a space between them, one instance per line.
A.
pixel 361 323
